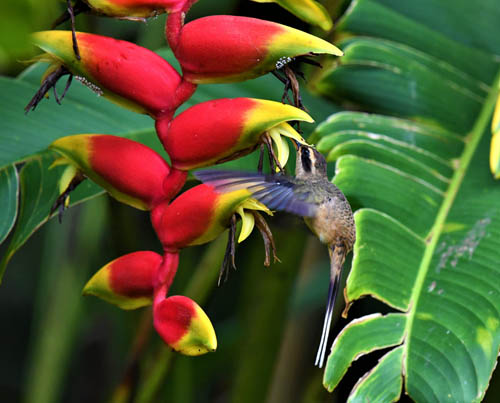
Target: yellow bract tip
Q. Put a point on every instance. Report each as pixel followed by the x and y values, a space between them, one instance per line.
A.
pixel 99 286
pixel 67 176
pixel 200 338
pixel 59 46
pixel 293 43
pixel 281 147
pixel 247 224
pixel 253 204
pixel 307 10
pixel 286 130
pixel 59 161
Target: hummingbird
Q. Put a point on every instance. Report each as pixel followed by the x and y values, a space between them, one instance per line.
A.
pixel 311 195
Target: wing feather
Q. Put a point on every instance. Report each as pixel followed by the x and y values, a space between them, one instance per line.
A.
pixel 277 192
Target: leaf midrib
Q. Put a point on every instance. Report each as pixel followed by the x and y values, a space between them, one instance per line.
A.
pixel 471 144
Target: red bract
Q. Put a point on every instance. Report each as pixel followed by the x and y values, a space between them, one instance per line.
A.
pixel 184 326
pixel 131 172
pixel 198 215
pixel 222 129
pixel 127 74
pixel 226 48
pixel 188 219
pixel 134 9
pixel 127 281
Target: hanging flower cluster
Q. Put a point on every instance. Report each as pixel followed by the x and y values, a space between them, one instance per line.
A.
pixel 214 49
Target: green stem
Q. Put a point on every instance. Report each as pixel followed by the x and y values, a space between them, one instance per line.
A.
pixel 472 142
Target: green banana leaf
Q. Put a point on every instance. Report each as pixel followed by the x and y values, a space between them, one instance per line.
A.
pixel 415 166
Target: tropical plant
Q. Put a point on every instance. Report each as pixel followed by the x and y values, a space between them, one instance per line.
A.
pixel 428 214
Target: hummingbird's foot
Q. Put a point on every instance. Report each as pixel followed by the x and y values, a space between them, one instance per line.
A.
pixel 230 252
pixel 267 236
pixel 48 83
pixel 62 201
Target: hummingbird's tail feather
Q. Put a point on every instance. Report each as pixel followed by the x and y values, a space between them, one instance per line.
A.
pixel 337 256
pixel 320 355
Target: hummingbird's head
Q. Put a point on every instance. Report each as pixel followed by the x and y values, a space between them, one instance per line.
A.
pixel 310 163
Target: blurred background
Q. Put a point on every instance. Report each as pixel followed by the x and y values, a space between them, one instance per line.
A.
pixel 57 346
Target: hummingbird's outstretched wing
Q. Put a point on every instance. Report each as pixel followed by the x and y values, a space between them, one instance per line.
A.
pixel 277 192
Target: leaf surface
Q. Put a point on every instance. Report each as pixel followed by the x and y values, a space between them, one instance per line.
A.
pixel 428 219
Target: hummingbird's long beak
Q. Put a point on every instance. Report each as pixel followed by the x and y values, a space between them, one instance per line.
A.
pixel 295 144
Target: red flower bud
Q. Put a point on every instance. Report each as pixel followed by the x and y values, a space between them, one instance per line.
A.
pixel 128 281
pixel 217 130
pixel 200 215
pixel 225 48
pixel 129 75
pixel 131 172
pixel 184 326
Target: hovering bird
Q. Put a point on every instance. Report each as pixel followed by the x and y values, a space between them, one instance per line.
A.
pixel 311 195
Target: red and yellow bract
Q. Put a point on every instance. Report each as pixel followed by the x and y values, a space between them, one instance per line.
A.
pixel 223 48
pixel 127 281
pixel 129 75
pixel 184 326
pixel 197 216
pixel 212 131
pixel 129 171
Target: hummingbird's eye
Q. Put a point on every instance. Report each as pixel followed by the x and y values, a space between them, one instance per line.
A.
pixel 305 158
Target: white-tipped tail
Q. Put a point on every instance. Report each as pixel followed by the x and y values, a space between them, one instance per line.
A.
pixel 337 256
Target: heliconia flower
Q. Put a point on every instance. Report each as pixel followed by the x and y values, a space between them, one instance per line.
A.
pixel 129 75
pixel 495 142
pixel 223 129
pixel 129 171
pixel 184 326
pixel 223 48
pixel 307 10
pixel 200 215
pixel 137 9
pixel 128 281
